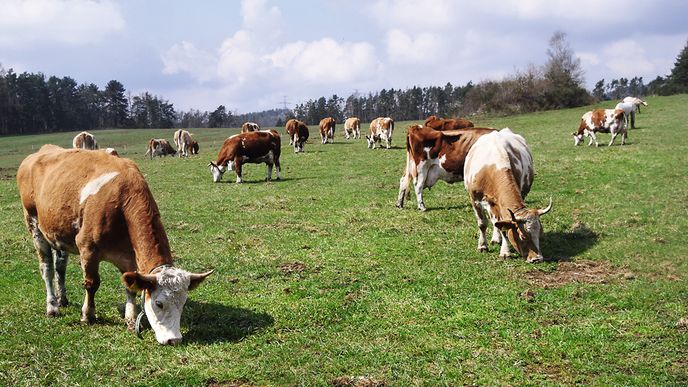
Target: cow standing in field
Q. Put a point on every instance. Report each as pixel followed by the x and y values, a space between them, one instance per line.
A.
pixel 251 147
pixel 636 101
pixel 601 120
pixel 84 140
pixel 433 155
pixel 327 126
pixel 298 134
pixel 381 129
pixel 352 128
pixel 184 142
pixel 100 207
pixel 448 124
pixel 159 147
pixel 249 127
pixel 498 175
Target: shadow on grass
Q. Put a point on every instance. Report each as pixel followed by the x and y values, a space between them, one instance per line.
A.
pixel 563 246
pixel 263 181
pixel 212 322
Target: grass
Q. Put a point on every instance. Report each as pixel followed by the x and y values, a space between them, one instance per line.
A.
pixel 319 278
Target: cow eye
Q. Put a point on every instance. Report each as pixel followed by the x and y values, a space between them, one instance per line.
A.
pixel 158 304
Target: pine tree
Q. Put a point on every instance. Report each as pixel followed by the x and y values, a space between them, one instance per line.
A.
pixel 679 74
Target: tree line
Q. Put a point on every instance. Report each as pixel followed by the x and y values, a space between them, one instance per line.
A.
pixel 33 103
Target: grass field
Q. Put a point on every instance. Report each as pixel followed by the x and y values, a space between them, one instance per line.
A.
pixel 320 279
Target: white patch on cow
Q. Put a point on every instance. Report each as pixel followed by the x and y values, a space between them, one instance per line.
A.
pixel 93 186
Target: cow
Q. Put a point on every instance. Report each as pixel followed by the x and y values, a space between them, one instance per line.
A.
pixel 159 147
pixel 183 141
pixel 100 207
pixel 381 129
pixel 448 124
pixel 636 101
pixel 327 126
pixel 629 110
pixel 298 134
pixel 352 128
pixel 111 151
pixel 251 147
pixel 194 147
pixel 601 120
pixel 249 127
pixel 84 140
pixel 433 155
pixel 498 174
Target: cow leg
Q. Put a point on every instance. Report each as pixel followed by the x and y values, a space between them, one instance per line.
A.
pixel 47 266
pixel 623 137
pixel 277 169
pixel 504 249
pixel 403 188
pixel 89 266
pixel 613 138
pixel 269 176
pixel 60 259
pixel 130 310
pixel 291 140
pixel 633 120
pixel 237 169
pixel 496 236
pixel 482 225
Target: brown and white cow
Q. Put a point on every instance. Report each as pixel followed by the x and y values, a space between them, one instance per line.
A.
pixel 111 151
pixel 498 175
pixel 249 127
pixel 84 140
pixel 252 147
pixel 381 129
pixel 184 142
pixel 327 126
pixel 298 134
pixel 100 207
pixel 159 147
pixel 352 128
pixel 448 124
pixel 433 155
pixel 601 120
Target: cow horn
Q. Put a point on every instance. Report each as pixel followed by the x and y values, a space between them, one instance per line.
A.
pixel 546 209
pixel 513 217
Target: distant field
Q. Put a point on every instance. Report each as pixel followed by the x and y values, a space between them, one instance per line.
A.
pixel 320 279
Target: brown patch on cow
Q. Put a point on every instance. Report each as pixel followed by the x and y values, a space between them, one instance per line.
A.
pixel 585 271
pixel 447 123
pixel 357 381
pixel 598 118
pixel 295 267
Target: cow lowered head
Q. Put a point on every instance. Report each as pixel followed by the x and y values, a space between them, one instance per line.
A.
pixel 165 292
pixel 525 231
pixel 219 170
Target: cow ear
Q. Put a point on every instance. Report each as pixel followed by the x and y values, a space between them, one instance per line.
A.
pixel 134 281
pixel 196 279
pixel 505 225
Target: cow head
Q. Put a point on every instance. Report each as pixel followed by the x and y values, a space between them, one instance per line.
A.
pixel 371 139
pixel 524 231
pixel 165 294
pixel 217 171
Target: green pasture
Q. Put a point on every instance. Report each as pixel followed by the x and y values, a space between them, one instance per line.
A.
pixel 319 279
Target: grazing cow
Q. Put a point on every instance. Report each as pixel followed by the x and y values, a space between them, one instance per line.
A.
pixel 251 147
pixel 636 101
pixel 498 175
pixel 183 141
pixel 194 147
pixel 111 151
pixel 100 207
pixel 327 126
pixel 249 127
pixel 448 124
pixel 298 134
pixel 84 140
pixel 159 147
pixel 381 129
pixel 601 120
pixel 352 128
pixel 432 155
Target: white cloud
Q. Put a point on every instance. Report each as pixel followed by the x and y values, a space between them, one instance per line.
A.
pixel 185 57
pixel 413 14
pixel 583 10
pixel 72 22
pixel 425 48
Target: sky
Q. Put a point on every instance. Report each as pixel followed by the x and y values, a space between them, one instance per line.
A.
pixel 252 55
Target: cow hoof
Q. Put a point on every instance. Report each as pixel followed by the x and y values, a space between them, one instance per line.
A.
pixel 399 205
pixel 535 260
pixel 88 320
pixel 482 249
pixel 52 312
pixel 422 209
pixel 131 324
pixel 504 256
pixel 495 242
pixel 63 301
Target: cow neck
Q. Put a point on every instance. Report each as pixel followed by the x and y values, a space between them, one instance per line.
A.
pixel 147 235
pixel 505 194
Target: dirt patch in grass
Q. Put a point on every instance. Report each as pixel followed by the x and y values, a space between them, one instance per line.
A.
pixel 585 271
pixel 292 267
pixel 358 381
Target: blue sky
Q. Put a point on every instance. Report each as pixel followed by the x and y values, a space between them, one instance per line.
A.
pixel 248 54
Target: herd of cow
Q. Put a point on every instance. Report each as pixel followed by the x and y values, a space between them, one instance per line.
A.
pixel 107 212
